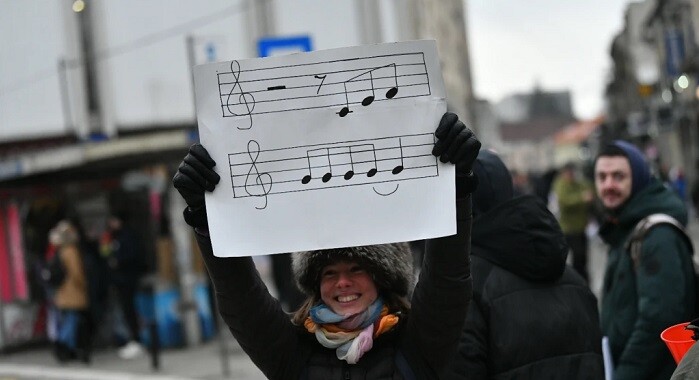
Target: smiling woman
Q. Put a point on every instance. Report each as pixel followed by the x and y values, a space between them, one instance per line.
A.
pixel 358 321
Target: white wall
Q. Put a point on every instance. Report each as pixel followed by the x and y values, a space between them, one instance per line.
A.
pixel 144 76
pixel 32 40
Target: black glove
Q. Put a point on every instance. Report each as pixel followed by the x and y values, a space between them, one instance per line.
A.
pixel 694 326
pixel 194 176
pixel 458 145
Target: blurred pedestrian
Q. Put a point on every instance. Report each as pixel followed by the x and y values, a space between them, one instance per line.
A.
pixel 643 294
pixel 288 294
pixel 70 298
pixel 356 321
pixel 126 265
pixel 520 183
pixel 544 183
pixel 574 196
pixel 532 316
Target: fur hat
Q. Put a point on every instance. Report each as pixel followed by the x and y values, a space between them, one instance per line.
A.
pixel 390 265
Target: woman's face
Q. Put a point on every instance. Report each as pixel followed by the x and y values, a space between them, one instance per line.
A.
pixel 346 288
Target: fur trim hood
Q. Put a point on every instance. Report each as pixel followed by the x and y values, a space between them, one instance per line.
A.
pixel 390 265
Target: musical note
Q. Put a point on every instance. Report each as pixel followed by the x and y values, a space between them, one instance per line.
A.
pixel 263 180
pixel 372 172
pixel 328 175
pixel 245 93
pixel 245 98
pixel 399 168
pixel 322 78
pixel 390 94
pixel 331 165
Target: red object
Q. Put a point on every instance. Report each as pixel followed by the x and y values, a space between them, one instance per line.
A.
pixel 678 339
pixel 14 234
pixel 5 272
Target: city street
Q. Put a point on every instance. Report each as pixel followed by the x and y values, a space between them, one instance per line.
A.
pixel 203 361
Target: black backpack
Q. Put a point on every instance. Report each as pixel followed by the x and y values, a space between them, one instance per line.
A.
pixel 635 241
pixel 54 272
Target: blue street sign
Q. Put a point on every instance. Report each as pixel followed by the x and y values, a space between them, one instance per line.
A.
pixel 674 51
pixel 271 46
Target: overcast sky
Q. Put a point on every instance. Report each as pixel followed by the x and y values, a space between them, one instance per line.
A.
pixel 559 44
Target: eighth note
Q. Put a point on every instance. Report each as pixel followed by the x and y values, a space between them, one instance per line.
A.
pixel 327 176
pixel 390 94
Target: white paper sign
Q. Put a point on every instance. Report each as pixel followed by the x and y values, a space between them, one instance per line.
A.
pixel 325 149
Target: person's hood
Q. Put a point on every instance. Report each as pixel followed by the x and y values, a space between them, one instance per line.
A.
pixel 494 182
pixel 640 171
pixel 522 236
pixel 654 198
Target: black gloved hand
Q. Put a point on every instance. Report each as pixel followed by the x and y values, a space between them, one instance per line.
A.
pixel 194 176
pixel 694 326
pixel 458 145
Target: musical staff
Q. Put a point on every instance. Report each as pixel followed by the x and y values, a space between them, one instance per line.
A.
pixel 338 84
pixel 260 173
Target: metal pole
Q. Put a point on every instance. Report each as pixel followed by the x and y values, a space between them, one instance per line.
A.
pixel 181 234
pixel 223 343
pixel 65 98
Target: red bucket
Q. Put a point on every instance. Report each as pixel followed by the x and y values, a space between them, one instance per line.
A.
pixel 678 339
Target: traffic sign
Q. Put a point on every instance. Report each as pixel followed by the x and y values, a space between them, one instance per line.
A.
pixel 275 46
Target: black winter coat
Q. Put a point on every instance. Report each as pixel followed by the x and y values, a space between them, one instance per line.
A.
pixel 420 345
pixel 532 317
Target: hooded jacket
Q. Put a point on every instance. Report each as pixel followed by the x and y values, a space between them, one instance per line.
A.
pixel 531 317
pixel 639 303
pixel 418 347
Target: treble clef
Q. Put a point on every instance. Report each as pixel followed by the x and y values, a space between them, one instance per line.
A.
pixel 263 180
pixel 244 98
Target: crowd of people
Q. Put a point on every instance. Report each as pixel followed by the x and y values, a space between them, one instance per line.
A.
pixel 80 277
pixel 497 300
pixel 506 297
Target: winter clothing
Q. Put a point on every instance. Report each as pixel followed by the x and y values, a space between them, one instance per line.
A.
pixel 72 293
pixel 640 171
pixel 407 342
pixel 418 345
pixel 574 213
pixel 532 317
pixel 71 298
pixel 639 302
pixel 494 182
pixel 125 259
pixel 391 265
pixel 574 209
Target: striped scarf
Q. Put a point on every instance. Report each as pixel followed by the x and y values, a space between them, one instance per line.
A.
pixel 350 336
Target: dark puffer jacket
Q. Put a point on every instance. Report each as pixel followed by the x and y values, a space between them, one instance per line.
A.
pixel 419 347
pixel 638 304
pixel 531 317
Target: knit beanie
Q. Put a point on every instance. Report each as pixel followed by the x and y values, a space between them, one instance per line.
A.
pixel 494 182
pixel 640 171
pixel 390 265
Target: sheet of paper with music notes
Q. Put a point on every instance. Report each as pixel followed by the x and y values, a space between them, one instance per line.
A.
pixel 325 149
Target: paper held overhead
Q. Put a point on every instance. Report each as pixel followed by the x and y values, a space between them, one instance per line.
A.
pixel 325 149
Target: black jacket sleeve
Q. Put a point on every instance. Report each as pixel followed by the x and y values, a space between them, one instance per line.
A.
pixel 255 318
pixel 441 297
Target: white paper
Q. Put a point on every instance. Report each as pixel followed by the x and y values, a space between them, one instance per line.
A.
pixel 325 149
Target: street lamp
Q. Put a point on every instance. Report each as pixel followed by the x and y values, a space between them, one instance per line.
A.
pixel 78 6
